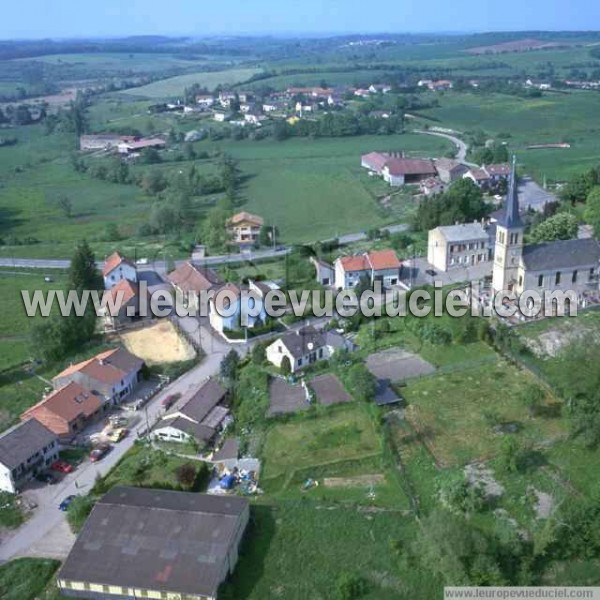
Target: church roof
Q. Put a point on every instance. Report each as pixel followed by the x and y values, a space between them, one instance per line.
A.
pixel 510 217
pixel 564 254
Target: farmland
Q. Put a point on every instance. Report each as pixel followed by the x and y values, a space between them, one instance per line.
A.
pixel 173 87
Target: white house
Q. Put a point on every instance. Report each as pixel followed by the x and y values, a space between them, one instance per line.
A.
pixel 25 450
pixel 228 315
pixel 205 100
pixel 325 272
pixel 382 265
pixel 304 347
pixel 116 268
pixel 198 418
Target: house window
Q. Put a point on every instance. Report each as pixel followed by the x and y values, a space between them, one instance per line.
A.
pixel 574 276
pixel 557 278
pixel 520 280
pixel 320 352
pixel 106 588
pixel 299 362
pixel 280 349
pixel 592 272
pixel 540 280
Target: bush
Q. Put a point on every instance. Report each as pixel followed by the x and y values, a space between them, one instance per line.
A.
pixel 78 512
pixel 350 586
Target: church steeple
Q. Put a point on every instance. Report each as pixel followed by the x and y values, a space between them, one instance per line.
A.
pixel 511 217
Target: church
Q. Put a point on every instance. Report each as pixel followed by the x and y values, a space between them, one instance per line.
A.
pixel 561 265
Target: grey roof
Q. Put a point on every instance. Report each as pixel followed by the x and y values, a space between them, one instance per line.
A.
pixel 298 342
pixel 229 450
pixel 510 217
pixel 20 442
pixel 384 393
pixel 201 433
pixel 203 401
pixel 161 540
pixel 449 164
pixel 463 232
pixel 564 254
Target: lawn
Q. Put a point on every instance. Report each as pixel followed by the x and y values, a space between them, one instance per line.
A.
pixel 452 412
pixel 327 443
pixel 11 515
pixel 27 578
pixel 297 550
pixel 173 87
pixel 144 466
pixel 555 117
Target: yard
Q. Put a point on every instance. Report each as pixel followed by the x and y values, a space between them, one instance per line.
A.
pixel 327 443
pixel 28 579
pixel 457 413
pixel 158 344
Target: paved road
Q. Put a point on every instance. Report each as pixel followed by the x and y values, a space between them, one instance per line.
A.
pixel 461 146
pixel 532 195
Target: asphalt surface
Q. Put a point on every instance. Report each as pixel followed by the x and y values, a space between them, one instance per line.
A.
pixel 461 147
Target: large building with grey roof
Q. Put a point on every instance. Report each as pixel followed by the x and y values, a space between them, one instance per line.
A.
pixel 461 245
pixel 25 450
pixel 146 543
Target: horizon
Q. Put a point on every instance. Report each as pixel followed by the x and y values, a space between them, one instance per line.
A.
pixel 66 20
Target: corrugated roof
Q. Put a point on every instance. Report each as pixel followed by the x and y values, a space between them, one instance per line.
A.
pixel 140 538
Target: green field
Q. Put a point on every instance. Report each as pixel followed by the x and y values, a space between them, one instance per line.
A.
pixel 449 411
pixel 28 579
pixel 173 87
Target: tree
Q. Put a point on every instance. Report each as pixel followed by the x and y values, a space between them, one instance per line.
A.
pixel 83 274
pixel 592 210
pixel 153 182
pixel 229 366
pixel 112 233
pixel 214 229
pixel 509 454
pixel 361 381
pixel 562 226
pixel 350 586
pixel 259 353
pixel 286 365
pixel 64 203
pixel 532 397
pixel 186 475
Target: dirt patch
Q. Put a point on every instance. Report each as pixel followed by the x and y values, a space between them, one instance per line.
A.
pixel 159 343
pixel 397 365
pixel 357 481
pixel 477 474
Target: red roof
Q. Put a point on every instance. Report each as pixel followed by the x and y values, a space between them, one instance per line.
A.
pixel 410 166
pixel 375 160
pixel 498 169
pixel 246 217
pixel 129 289
pixel 377 260
pixel 190 278
pixel 113 261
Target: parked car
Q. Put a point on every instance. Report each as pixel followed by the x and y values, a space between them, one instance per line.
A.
pixel 431 272
pixel 66 502
pixel 46 477
pixel 116 435
pixel 118 421
pixel 61 466
pixel 99 452
pixel 170 400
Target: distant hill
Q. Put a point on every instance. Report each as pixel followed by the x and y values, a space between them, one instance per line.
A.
pixel 516 46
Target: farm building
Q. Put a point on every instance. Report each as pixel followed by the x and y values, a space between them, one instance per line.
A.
pixel 397 170
pixel 144 543
pixel 449 170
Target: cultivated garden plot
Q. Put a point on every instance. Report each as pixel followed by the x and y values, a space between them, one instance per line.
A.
pixel 397 365
pixel 329 390
pixel 286 397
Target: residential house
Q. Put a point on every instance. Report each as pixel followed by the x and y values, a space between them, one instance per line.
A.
pixel 148 543
pixel 225 310
pixel 221 115
pixel 198 418
pixel 254 117
pixel 116 268
pixel 25 450
pixel 68 410
pixel 478 176
pixel 325 272
pixel 245 96
pixel 113 374
pixel 488 176
pixel 304 347
pixel 548 266
pixel 205 100
pixel 226 98
pixel 190 280
pixel 463 245
pixel 244 227
pixel 450 170
pixel 362 93
pixel 126 298
pixel 380 265
pixel 380 88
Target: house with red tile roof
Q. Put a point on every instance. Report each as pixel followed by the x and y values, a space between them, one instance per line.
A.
pixel 380 265
pixel 244 227
pixel 126 299
pixel 396 169
pixel 112 374
pixel 191 280
pixel 117 267
pixel 68 410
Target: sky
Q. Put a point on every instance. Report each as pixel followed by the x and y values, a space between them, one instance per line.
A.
pixel 113 18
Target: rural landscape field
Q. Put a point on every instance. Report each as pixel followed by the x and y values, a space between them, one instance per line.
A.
pixel 304 455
